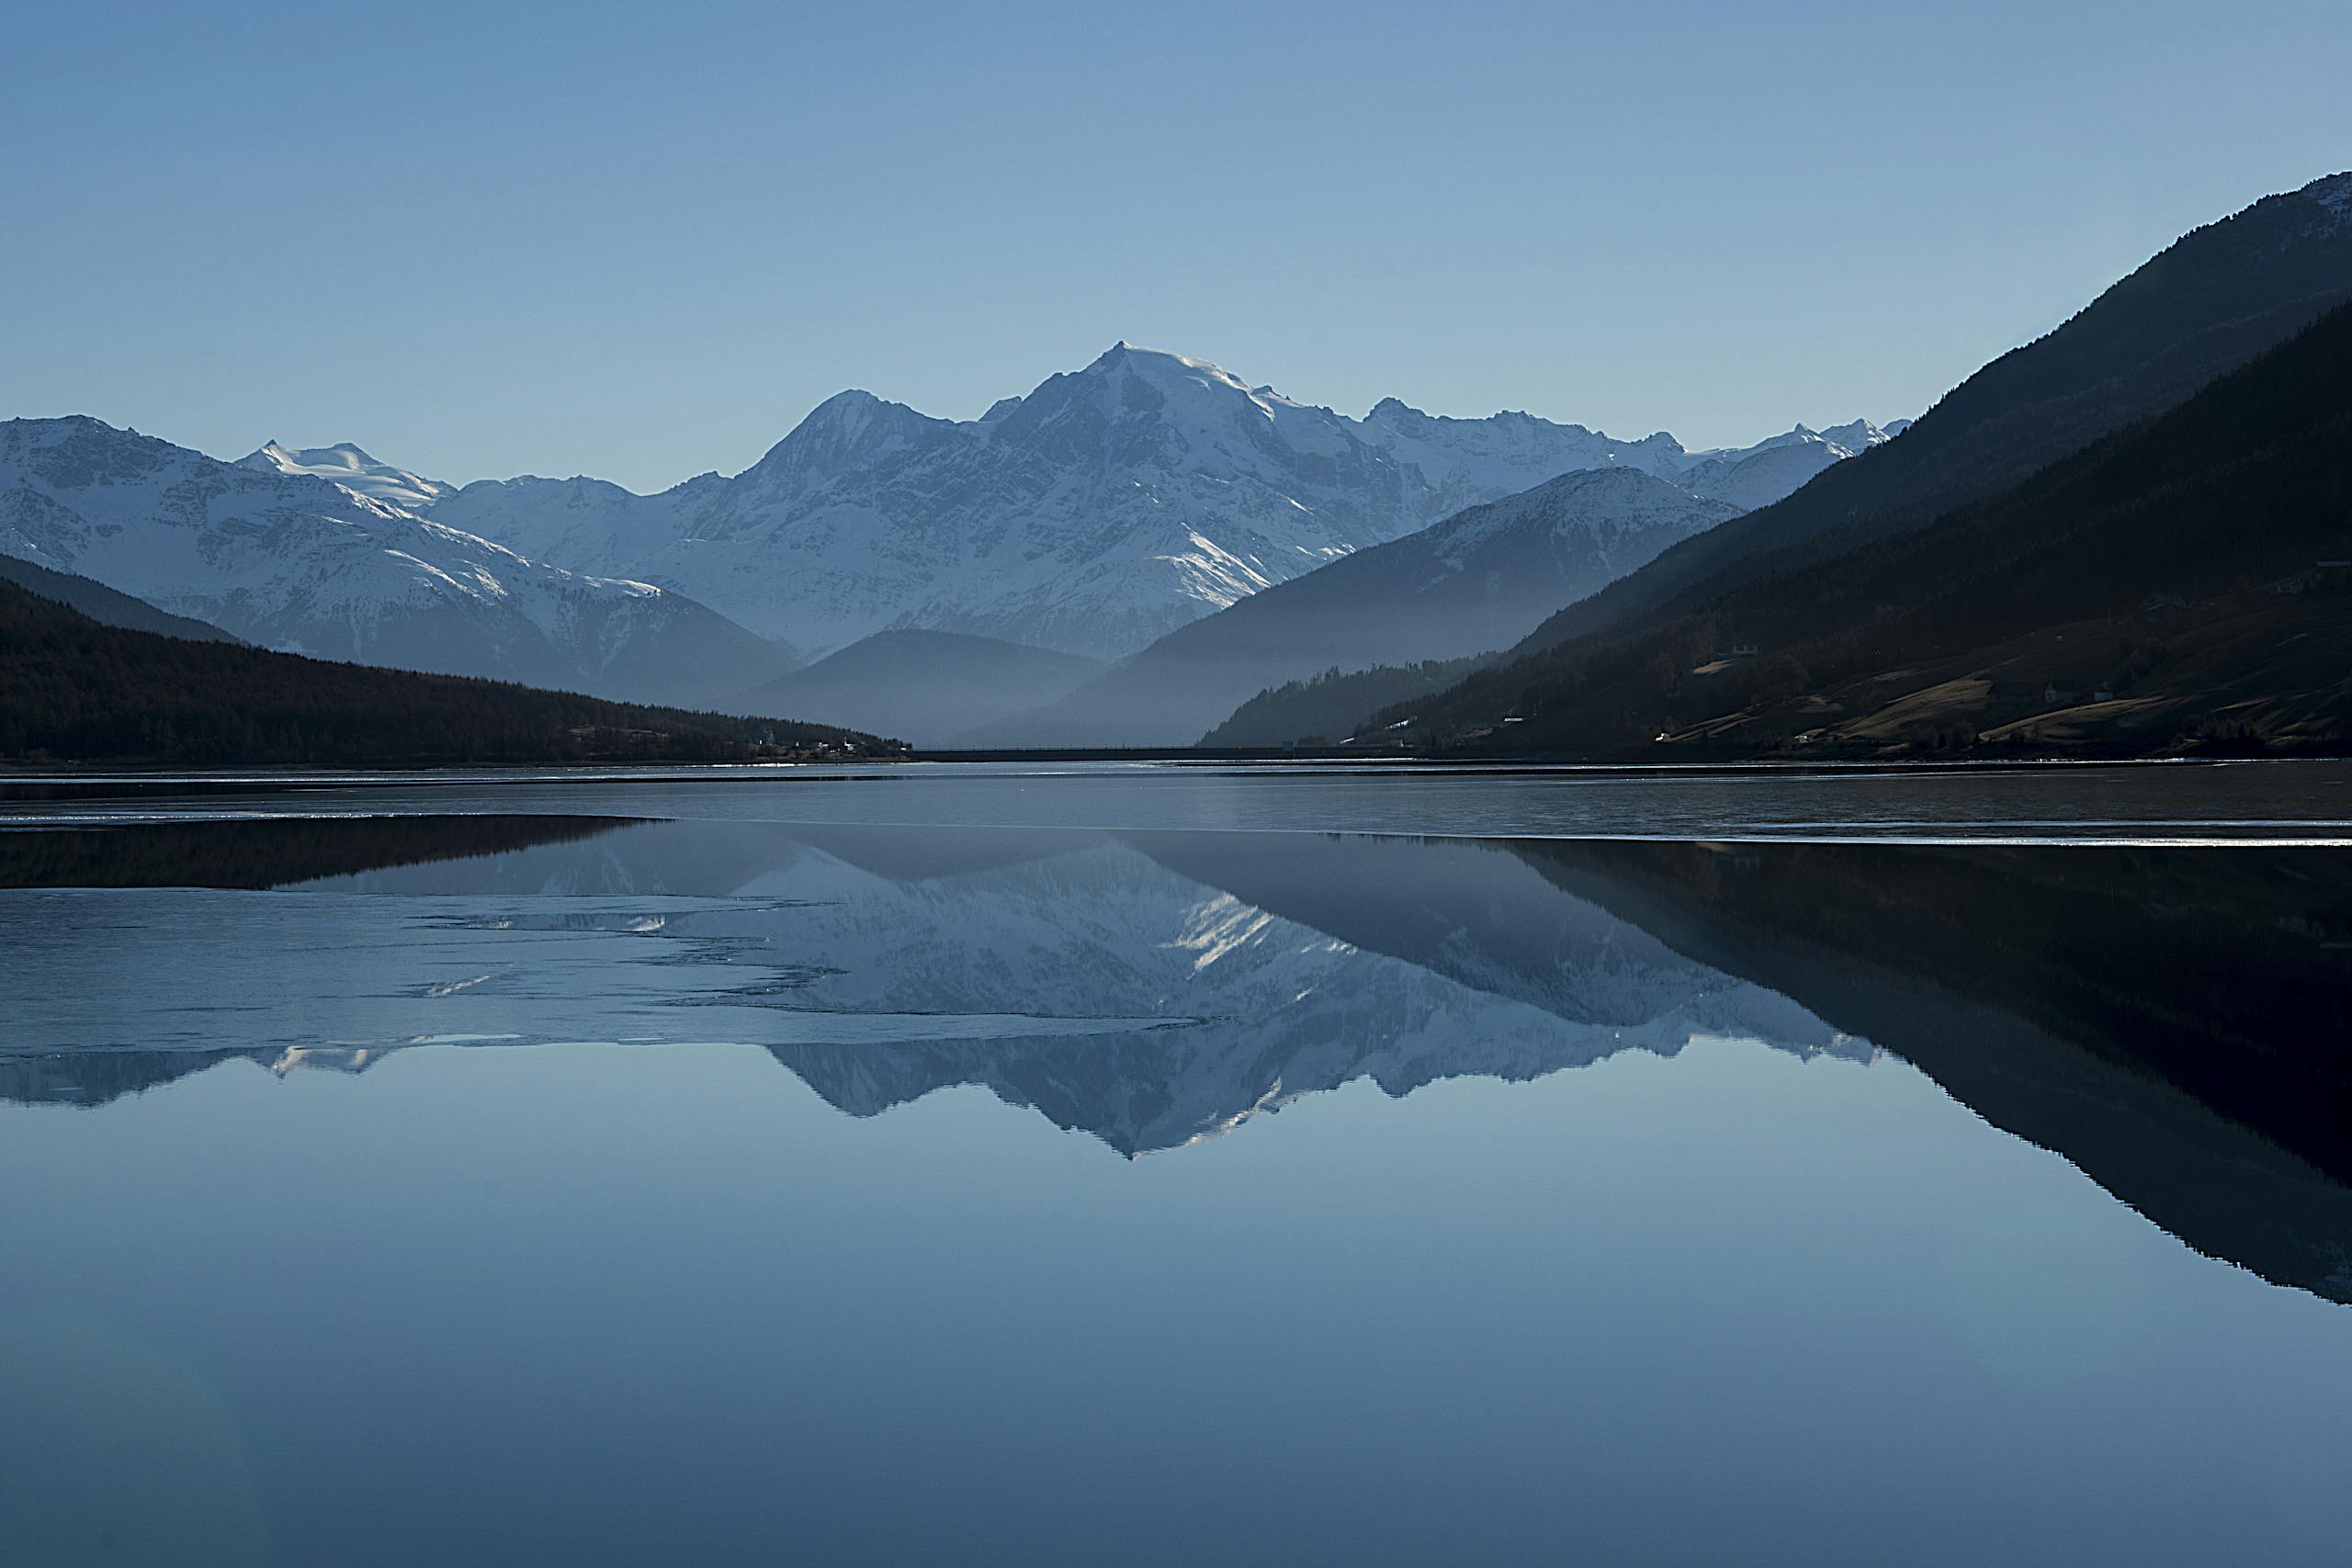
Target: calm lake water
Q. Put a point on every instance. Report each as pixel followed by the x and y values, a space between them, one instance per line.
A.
pixel 1179 1165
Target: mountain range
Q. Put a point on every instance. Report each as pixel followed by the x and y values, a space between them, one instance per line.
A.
pixel 1104 508
pixel 292 561
pixel 1219 544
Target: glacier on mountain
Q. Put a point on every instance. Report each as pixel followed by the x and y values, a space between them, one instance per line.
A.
pixel 345 465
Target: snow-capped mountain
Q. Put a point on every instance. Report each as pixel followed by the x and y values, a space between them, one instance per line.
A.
pixel 347 466
pixel 1477 581
pixel 295 561
pixel 1108 506
pixel 1780 465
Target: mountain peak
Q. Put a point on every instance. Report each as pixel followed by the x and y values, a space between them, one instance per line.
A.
pixel 851 430
pixel 348 464
pixel 349 452
pixel 1856 435
pixel 1159 363
pixel 851 409
pixel 1125 381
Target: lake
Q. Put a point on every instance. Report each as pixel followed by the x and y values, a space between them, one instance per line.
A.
pixel 1003 1164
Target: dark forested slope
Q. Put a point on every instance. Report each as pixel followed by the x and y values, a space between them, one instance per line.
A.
pixel 74 690
pixel 104 605
pixel 2169 585
pixel 2208 303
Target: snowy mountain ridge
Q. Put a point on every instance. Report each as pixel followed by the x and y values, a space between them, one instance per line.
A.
pixel 353 470
pixel 287 558
pixel 1106 507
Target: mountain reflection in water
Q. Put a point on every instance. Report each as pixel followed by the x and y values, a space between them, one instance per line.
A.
pixel 2170 1021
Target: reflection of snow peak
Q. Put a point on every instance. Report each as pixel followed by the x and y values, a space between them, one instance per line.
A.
pixel 1218 926
pixel 1105 986
pixel 1273 1099
pixel 328 1058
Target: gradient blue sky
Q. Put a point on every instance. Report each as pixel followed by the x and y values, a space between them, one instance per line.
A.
pixel 642 240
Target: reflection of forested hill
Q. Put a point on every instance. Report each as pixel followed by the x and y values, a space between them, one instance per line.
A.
pixel 2172 1021
pixel 268 853
pixel 96 1078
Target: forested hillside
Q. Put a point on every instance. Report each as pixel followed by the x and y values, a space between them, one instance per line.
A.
pixel 2180 585
pixel 72 690
pixel 2211 301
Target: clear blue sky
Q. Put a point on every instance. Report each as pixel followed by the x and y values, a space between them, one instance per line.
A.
pixel 642 240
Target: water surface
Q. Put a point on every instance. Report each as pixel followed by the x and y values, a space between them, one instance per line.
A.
pixel 1111 1165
